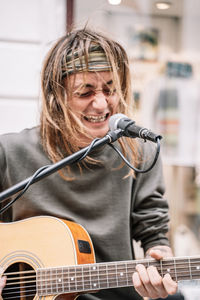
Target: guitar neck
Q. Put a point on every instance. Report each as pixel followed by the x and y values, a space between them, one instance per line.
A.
pixel 92 277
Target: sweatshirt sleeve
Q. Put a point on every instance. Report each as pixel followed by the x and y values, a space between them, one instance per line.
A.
pixel 150 209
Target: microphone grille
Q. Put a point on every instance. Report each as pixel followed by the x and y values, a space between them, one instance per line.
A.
pixel 114 119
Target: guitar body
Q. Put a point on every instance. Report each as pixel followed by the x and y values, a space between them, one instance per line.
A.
pixel 41 242
pixel 45 258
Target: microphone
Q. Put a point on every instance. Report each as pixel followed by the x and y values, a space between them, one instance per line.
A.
pixel 130 129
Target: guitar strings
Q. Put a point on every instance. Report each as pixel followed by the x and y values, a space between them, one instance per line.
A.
pixel 63 291
pixel 76 279
pixel 107 266
pixel 76 284
pixel 167 267
pixel 19 297
pixel 29 293
pixel 118 265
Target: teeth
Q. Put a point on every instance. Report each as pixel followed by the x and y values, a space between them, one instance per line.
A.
pixel 95 119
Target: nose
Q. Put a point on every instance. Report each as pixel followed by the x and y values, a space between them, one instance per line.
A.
pixel 100 101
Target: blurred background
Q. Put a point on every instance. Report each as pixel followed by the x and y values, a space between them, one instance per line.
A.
pixel 163 43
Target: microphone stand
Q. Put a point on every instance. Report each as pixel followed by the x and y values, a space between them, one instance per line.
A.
pixel 111 137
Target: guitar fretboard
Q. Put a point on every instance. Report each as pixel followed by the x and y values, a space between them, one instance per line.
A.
pixel 92 277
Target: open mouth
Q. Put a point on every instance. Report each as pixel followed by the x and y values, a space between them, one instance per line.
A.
pixel 96 119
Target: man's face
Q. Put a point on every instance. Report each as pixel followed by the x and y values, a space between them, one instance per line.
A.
pixel 94 99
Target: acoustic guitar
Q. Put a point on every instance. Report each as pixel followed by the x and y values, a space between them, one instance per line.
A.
pixel 49 258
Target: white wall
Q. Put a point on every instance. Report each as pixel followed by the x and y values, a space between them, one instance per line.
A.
pixel 119 20
pixel 27 27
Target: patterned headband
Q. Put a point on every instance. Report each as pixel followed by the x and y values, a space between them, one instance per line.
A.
pixel 96 61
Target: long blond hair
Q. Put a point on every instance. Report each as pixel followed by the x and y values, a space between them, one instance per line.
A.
pixel 60 128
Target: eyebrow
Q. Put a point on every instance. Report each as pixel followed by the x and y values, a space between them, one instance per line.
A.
pixel 88 85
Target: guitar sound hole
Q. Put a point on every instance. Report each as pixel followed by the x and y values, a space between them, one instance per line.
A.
pixel 21 282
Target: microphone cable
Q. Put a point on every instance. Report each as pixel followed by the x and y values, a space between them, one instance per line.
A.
pixel 134 168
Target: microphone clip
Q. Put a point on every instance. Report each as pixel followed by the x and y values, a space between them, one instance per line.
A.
pixel 115 134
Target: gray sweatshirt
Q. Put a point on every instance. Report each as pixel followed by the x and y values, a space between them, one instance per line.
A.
pixel 113 209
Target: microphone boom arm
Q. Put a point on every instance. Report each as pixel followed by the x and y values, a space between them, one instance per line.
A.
pixel 111 137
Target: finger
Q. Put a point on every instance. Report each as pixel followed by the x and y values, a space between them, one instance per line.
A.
pixel 157 281
pixel 2 283
pixel 170 285
pixel 157 254
pixel 146 282
pixel 2 280
pixel 139 287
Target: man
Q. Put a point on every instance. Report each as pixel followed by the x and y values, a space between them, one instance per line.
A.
pixel 86 80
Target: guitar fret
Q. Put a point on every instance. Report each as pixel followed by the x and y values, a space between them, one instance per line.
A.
pixel 112 275
pixel 93 277
pixel 72 284
pixel 131 269
pixel 90 278
pixel 190 268
pixel 103 279
pixel 117 282
pixel 68 281
pixel 75 278
pixel 51 280
pixel 65 279
pixel 56 281
pixel 98 276
pixel 38 281
pixel 122 274
pixel 183 266
pixel 82 278
pixel 107 276
pixel 86 279
pixel 167 267
pixel 47 281
pixel 126 273
pixel 52 283
pixel 60 280
pixel 175 269
pixel 79 279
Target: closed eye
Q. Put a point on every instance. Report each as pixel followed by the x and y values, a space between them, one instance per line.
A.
pixel 106 91
pixel 85 95
pixel 109 92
